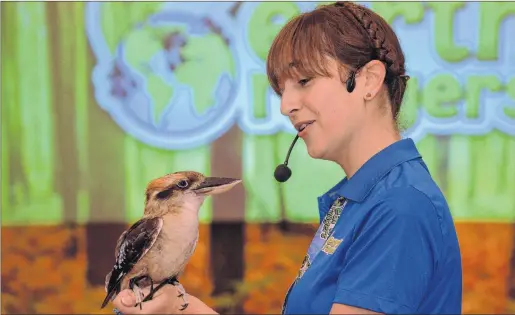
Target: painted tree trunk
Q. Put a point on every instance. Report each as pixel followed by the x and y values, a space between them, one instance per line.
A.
pixel 106 186
pixel 65 59
pixel 27 119
pixel 228 226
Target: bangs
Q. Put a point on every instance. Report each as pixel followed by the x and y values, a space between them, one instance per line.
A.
pixel 299 50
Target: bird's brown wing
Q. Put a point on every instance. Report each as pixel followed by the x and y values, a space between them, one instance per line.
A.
pixel 119 243
pixel 131 247
pixel 116 252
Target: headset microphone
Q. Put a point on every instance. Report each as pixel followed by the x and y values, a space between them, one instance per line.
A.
pixel 282 171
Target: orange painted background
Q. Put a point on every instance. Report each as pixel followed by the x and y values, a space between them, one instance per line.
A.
pixel 44 270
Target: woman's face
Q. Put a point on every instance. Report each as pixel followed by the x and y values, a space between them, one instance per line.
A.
pixel 323 112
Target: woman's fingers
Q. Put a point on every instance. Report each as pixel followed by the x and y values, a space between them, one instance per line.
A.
pixel 162 301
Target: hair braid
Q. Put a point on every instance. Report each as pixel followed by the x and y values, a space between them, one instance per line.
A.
pixel 383 50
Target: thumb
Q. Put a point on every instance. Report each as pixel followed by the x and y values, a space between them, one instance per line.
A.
pixel 125 302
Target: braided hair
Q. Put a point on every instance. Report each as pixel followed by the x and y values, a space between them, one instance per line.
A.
pixel 384 50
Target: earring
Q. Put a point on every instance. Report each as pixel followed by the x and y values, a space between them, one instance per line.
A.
pixel 368 96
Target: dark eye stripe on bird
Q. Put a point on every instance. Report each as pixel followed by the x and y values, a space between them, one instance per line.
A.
pixel 165 193
pixel 181 185
pixel 144 254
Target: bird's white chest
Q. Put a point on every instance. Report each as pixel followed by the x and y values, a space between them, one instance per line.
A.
pixel 174 246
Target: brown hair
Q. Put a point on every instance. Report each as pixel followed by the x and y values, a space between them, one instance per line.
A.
pixel 347 32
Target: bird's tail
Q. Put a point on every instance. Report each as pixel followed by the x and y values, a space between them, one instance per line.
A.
pixel 108 298
pixel 112 289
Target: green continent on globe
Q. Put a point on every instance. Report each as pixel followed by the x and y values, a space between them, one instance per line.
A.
pixel 201 60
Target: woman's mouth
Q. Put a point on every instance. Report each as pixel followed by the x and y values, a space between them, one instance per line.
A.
pixel 302 126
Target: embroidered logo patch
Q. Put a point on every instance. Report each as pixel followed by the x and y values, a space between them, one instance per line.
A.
pixel 331 245
pixel 323 241
pixel 332 217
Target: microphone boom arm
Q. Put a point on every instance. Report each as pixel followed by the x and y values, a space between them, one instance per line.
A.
pixel 290 149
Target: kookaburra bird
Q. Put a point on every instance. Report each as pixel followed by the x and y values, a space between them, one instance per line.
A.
pixel 154 250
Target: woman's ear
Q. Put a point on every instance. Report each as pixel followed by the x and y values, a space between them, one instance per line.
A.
pixel 374 73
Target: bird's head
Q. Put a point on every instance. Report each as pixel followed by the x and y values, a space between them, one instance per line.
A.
pixel 183 191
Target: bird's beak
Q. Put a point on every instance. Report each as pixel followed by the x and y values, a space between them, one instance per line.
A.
pixel 215 185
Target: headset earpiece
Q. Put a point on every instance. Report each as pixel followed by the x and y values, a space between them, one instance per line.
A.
pixel 351 82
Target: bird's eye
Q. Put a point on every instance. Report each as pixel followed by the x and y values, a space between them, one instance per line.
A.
pixel 182 183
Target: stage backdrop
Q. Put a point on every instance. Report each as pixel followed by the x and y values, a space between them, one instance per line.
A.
pixel 99 98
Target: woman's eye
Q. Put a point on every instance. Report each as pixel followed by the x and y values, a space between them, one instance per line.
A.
pixel 304 81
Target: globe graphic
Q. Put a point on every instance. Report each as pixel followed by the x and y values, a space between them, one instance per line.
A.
pixel 171 78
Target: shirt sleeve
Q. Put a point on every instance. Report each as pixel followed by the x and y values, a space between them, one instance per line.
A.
pixel 388 267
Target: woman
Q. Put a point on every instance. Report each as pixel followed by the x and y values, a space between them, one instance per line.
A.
pixel 387 242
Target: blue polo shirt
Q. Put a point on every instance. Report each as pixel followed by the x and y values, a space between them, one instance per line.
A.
pixel 386 243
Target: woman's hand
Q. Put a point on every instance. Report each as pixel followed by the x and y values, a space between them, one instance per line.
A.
pixel 165 301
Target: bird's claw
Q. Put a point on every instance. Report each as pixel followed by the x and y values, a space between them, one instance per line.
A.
pixel 139 298
pixel 182 294
pixel 134 286
pixel 173 281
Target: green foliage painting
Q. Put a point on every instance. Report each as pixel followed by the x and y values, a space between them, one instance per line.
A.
pixel 100 98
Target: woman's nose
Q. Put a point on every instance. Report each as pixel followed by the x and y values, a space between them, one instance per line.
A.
pixel 289 103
